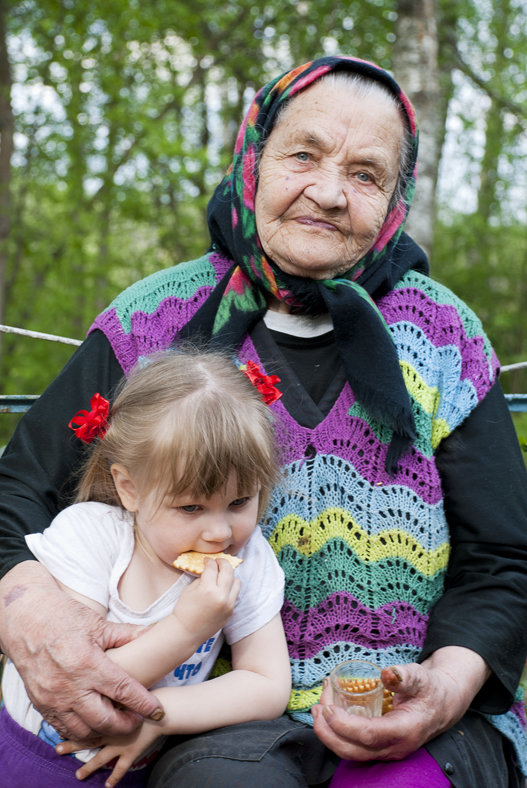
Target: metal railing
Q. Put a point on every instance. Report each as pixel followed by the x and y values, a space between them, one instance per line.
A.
pixel 20 403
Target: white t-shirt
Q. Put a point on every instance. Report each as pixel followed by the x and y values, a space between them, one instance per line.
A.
pixel 88 546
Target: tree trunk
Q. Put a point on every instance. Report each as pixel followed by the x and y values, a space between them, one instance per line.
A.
pixel 6 150
pixel 415 68
pixel 488 200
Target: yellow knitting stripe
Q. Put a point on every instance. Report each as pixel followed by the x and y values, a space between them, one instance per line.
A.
pixel 302 700
pixel 428 398
pixel 440 429
pixel 308 538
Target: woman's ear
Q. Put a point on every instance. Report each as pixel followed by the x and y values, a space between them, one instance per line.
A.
pixel 125 487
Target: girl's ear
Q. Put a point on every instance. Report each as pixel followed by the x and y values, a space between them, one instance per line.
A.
pixel 125 487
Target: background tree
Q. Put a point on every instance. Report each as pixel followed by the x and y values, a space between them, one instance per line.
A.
pixel 118 117
pixel 6 152
pixel 415 66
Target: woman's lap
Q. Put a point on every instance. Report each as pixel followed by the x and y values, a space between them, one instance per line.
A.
pixel 251 755
pixel 286 753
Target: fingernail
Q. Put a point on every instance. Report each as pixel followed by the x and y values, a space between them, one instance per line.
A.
pixel 59 748
pixel 325 683
pixel 157 715
pixel 397 674
pixel 328 712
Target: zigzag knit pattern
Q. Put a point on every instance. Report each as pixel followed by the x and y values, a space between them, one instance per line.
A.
pixel 364 554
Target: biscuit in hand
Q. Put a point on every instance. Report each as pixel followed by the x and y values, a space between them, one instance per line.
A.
pixel 194 563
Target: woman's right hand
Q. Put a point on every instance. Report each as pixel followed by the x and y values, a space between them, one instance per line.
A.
pixel 208 603
pixel 57 646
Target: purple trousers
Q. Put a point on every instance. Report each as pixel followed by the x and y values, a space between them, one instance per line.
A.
pixel 28 762
pixel 418 769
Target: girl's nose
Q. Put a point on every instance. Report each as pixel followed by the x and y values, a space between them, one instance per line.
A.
pixel 217 530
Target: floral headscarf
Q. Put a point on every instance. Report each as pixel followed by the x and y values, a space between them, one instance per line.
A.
pixel 240 299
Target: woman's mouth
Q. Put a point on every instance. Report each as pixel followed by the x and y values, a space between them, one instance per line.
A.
pixel 320 224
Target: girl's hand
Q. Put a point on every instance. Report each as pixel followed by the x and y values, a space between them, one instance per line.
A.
pixel 208 603
pixel 126 749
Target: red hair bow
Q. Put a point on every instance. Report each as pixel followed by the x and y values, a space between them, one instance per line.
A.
pixel 264 383
pixel 88 425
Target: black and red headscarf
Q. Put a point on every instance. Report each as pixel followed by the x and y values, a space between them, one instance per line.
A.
pixel 240 300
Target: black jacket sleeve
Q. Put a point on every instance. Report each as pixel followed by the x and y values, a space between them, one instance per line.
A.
pixel 38 465
pixel 484 607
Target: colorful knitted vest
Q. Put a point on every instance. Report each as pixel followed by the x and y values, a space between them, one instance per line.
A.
pixel 364 554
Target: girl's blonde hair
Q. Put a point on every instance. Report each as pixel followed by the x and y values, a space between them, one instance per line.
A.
pixel 183 423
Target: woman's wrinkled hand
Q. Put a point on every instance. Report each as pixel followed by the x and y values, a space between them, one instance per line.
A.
pixel 57 644
pixel 429 698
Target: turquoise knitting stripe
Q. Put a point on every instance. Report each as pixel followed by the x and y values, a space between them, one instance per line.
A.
pixel 366 580
pixel 147 294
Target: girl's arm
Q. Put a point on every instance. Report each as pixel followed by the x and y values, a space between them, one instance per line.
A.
pixel 203 609
pixel 258 687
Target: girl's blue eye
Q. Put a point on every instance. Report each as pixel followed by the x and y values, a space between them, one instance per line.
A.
pixel 239 501
pixel 190 508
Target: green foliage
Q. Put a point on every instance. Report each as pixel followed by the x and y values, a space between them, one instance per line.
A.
pixel 126 114
pixel 492 278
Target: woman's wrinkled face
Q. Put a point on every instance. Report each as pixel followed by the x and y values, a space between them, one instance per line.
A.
pixel 326 177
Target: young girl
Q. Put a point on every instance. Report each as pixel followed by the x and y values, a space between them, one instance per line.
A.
pixel 185 461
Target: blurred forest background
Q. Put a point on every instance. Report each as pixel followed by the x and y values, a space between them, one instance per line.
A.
pixel 118 117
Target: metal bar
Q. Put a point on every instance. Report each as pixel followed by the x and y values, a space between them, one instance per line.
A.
pixel 20 403
pixel 16 403
pixel 517 402
pixel 39 335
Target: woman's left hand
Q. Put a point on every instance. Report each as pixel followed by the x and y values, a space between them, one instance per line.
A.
pixel 429 698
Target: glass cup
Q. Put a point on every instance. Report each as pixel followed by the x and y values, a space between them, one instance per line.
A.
pixel 357 687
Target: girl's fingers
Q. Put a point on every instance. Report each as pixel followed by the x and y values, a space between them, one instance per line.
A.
pixel 68 746
pixel 100 759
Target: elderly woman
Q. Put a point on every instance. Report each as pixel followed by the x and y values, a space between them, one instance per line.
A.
pixel 401 520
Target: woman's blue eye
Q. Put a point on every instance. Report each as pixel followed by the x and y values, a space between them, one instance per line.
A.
pixel 302 156
pixel 364 177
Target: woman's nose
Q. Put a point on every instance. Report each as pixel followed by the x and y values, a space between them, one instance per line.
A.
pixel 327 191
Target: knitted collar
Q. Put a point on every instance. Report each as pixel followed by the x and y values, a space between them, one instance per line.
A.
pixel 240 299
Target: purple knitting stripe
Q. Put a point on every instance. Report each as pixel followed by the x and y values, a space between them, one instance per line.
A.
pixel 518 709
pixel 414 306
pixel 470 366
pixel 411 305
pixel 414 468
pixel 149 332
pixel 121 343
pixel 308 633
